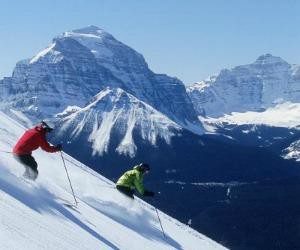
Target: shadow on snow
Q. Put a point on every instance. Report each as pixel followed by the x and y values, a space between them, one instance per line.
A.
pixel 45 204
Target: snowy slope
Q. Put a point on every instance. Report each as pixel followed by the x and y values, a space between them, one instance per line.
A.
pixel 33 215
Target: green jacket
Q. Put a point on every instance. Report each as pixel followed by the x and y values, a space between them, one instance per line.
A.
pixel 132 179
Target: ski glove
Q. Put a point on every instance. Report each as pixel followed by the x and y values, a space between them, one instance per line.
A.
pixel 149 193
pixel 59 147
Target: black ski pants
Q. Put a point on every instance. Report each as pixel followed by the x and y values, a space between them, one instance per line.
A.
pixel 30 165
pixel 126 190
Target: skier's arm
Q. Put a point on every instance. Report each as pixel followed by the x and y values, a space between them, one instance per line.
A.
pixel 47 147
pixel 138 183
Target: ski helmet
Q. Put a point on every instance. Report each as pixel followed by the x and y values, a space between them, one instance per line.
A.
pixel 46 127
pixel 144 167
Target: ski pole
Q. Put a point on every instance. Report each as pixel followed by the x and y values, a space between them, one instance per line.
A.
pixel 162 229
pixel 68 177
pixel 7 152
pixel 143 203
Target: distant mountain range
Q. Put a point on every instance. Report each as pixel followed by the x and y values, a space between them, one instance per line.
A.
pixel 265 94
pixel 254 87
pixel 77 65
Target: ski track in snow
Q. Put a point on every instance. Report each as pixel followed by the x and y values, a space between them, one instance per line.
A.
pixel 33 215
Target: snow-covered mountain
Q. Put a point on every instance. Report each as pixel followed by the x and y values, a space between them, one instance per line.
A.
pixel 77 65
pixel 292 151
pixel 255 104
pixel 266 82
pixel 286 115
pixel 276 128
pixel 34 215
pixel 115 115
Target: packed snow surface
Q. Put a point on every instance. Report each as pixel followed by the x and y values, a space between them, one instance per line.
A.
pixel 35 215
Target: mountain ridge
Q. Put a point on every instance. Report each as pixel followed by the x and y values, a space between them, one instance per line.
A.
pixel 115 113
pixel 252 87
pixel 76 66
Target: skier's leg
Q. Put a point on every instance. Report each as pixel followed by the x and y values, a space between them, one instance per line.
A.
pixel 31 173
pixel 126 190
pixel 31 168
pixel 30 165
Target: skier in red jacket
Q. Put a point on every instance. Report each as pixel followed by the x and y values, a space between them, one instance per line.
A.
pixel 31 140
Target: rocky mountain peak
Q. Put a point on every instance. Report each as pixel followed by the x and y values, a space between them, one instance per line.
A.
pixel 249 87
pixel 115 115
pixel 89 32
pixel 91 29
pixel 269 59
pixel 79 64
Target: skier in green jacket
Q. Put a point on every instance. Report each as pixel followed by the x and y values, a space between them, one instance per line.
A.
pixel 133 179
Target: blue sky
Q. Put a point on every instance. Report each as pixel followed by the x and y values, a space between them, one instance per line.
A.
pixel 188 39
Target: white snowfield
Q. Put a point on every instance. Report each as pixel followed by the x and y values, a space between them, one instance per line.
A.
pixel 282 115
pixel 34 215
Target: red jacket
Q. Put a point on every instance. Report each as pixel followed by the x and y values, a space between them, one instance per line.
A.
pixel 31 140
